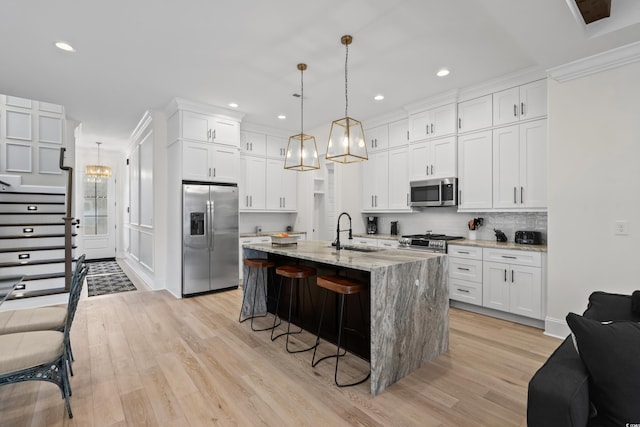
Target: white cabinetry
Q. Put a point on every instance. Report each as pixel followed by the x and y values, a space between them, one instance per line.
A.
pixel 398 179
pixel 398 133
pixel 475 170
pixel 465 274
pixel 277 147
pixel 475 114
pixel 248 241
pixel 375 182
pixel 207 128
pixel 209 162
pixel 515 283
pixel 253 143
pixel 433 123
pixel 363 241
pixel 433 159
pixel 520 103
pixel 252 186
pixel 281 187
pixel 519 166
pixel 377 138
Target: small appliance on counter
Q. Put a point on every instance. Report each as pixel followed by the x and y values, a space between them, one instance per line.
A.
pixel 528 237
pixel 372 225
pixel 500 236
pixel 394 228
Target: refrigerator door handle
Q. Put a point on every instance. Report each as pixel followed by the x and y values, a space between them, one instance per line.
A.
pixel 210 224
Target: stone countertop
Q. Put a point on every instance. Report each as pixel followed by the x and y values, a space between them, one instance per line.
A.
pixel 499 245
pixel 323 252
pixel 270 233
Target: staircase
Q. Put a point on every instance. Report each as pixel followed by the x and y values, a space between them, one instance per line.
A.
pixel 32 237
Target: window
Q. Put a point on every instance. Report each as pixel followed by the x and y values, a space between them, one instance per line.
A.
pixel 96 218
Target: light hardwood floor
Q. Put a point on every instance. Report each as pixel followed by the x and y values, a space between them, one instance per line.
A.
pixel 146 358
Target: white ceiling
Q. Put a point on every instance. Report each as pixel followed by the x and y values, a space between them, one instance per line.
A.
pixel 137 55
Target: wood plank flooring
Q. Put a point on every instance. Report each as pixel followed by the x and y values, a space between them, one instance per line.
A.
pixel 147 359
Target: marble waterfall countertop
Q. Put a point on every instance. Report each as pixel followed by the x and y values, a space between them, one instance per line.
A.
pixel 270 233
pixel 499 245
pixel 409 305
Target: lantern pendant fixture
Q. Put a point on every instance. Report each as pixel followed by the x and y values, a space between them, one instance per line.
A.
pixel 95 173
pixel 346 138
pixel 302 153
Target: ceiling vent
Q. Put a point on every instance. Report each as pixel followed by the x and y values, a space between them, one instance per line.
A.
pixel 594 10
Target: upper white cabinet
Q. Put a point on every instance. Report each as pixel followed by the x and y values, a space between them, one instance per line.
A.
pixel 520 103
pixel 253 183
pixel 433 123
pixel 377 138
pixel 519 166
pixel 208 128
pixel 209 162
pixel 281 188
pixel 253 143
pixel 277 147
pixel 433 159
pixel 375 182
pixel 398 133
pixel 475 172
pixel 399 179
pixel 475 114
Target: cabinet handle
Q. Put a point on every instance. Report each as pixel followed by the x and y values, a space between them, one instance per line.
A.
pixel 284 202
pixel 509 257
pixel 515 110
pixel 376 198
pixel 214 171
pixel 431 128
pixel 252 146
pixel 511 276
pixel 407 135
pixel 407 199
pixel 521 195
pixel 214 135
pixel 431 169
pixel 463 269
pixel 209 171
pixel 514 195
pixel 460 196
pixel 466 291
pixel 459 122
pixel 246 201
pixel 251 201
pixel 505 274
pixel 427 129
pixel 522 108
pixel 463 252
pixel 372 200
pixel 209 134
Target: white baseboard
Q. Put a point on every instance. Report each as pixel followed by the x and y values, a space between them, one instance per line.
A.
pixel 557 328
pixel 536 323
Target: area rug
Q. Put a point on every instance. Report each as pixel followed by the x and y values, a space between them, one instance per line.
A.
pixel 106 277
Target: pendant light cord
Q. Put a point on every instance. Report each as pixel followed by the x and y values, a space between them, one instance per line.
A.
pixel 346 96
pixel 301 105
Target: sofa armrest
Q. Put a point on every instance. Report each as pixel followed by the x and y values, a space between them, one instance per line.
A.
pixel 559 391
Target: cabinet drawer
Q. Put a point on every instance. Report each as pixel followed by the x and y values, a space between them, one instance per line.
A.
pixel 361 241
pixel 464 291
pixel 468 252
pixel 513 257
pixel 388 244
pixel 465 269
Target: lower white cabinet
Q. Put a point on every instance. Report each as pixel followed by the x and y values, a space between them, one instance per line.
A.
pixel 364 241
pixel 500 279
pixel 246 241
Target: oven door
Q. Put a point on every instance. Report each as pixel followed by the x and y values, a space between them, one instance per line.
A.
pixel 426 193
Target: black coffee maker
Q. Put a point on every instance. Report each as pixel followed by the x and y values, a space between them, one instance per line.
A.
pixel 372 225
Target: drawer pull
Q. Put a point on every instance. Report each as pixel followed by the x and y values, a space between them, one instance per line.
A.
pixel 466 291
pixel 462 268
pixel 463 252
pixel 509 257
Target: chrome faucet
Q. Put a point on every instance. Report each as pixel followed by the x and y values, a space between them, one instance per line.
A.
pixel 338 231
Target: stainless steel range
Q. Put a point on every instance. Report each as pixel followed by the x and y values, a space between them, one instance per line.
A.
pixel 427 242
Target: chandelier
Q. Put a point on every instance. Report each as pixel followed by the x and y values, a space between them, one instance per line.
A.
pixel 346 138
pixel 95 173
pixel 302 153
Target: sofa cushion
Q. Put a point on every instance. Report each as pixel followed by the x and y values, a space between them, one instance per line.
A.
pixel 604 306
pixel 611 354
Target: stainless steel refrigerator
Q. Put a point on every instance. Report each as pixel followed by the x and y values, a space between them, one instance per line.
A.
pixel 209 237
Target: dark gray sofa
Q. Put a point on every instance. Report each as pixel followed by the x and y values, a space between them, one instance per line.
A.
pixel 559 391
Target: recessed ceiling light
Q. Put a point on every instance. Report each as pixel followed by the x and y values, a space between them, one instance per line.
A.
pixel 379 97
pixel 282 116
pixel 64 46
pixel 233 105
pixel 443 72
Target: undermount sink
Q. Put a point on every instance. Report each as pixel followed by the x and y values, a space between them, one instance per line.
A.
pixel 360 248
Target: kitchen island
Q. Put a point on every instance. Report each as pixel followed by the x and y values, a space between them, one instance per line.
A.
pixel 408 304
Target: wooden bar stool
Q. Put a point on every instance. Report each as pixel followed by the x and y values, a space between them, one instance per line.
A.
pixel 293 273
pixel 256 265
pixel 342 286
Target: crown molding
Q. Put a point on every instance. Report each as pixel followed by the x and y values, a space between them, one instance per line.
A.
pixel 196 107
pixel 613 58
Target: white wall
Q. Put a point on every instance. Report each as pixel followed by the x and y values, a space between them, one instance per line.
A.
pixel 594 150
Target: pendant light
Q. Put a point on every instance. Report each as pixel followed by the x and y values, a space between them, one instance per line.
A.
pixel 346 139
pixel 302 153
pixel 95 173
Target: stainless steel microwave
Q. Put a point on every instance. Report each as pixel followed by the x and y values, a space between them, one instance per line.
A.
pixel 434 192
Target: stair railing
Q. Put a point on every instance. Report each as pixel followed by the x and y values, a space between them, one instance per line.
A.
pixel 68 222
